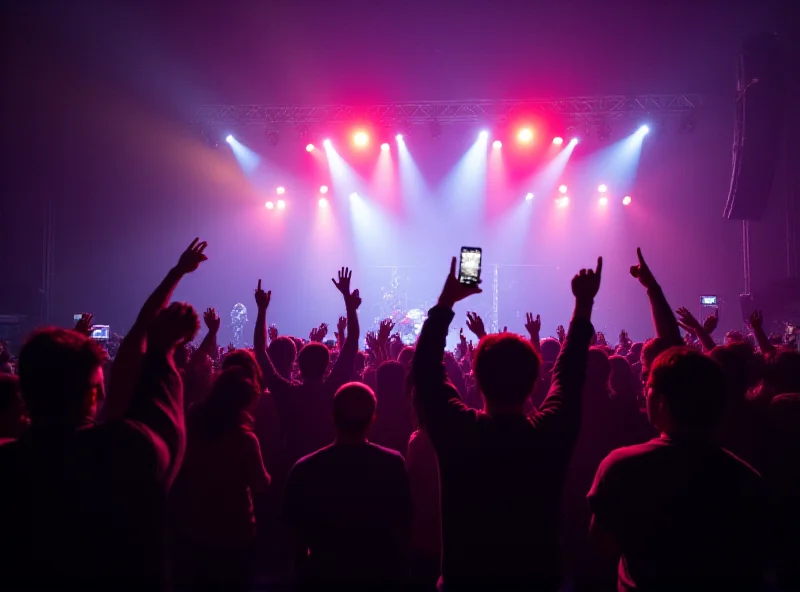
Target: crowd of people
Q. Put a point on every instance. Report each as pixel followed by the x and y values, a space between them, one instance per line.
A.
pixel 519 463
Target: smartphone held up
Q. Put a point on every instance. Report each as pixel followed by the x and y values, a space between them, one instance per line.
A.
pixel 469 271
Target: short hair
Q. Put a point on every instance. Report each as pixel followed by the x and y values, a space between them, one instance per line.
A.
pixel 406 356
pixel 55 371
pixel 506 367
pixel 313 360
pixel 550 349
pixel 282 352
pixel 244 359
pixel 391 377
pixel 693 387
pixel 354 408
pixel 598 368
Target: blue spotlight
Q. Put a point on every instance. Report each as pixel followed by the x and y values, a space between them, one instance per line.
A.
pixel 484 135
pixel 399 137
pixel 574 141
pixel 229 139
pixel 644 130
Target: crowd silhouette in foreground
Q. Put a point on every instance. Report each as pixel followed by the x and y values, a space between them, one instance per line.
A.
pixel 518 464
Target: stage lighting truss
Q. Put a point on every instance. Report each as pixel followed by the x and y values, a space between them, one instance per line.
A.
pixel 448 112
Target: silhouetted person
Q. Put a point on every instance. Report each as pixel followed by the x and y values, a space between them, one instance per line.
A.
pixel 348 506
pixel 211 504
pixel 394 422
pixel 82 504
pixel 680 511
pixel 502 472
pixel 13 417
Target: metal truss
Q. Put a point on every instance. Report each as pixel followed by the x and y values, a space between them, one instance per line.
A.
pixel 444 112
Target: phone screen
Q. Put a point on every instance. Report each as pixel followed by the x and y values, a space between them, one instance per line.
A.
pixel 470 267
pixel 708 300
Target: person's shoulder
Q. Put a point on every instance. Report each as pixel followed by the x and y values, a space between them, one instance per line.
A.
pixel 386 453
pixel 739 466
pixel 626 456
pixel 316 457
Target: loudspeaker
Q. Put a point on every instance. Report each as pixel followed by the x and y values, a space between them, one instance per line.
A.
pixel 758 127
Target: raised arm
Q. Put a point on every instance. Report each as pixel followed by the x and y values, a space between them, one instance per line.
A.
pixel 130 355
pixel 563 401
pixel 757 325
pixel 156 407
pixel 273 381
pixel 436 399
pixel 534 326
pixel 693 326
pixel 663 319
pixel 208 347
pixel 342 370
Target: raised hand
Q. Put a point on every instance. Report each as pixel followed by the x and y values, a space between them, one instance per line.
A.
pixel 454 291
pixel 84 324
pixel 586 283
pixel 262 298
pixel 173 326
pixel 192 257
pixel 642 272
pixel 533 325
pixel 561 333
pixel 212 320
pixel 687 320
pixel 353 301
pixel 385 330
pixel 601 338
pixel 341 325
pixel 475 324
pixel 343 285
pixel 272 332
pixel 756 319
pixel 624 339
pixel 711 322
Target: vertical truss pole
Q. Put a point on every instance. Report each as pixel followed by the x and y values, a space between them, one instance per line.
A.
pixel 495 300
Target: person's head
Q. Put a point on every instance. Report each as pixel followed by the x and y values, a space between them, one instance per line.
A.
pixel 13 418
pixel 61 377
pixel 406 356
pixel 598 369
pixel 282 352
pixel 233 397
pixel 622 381
pixel 782 372
pixel 550 349
pixel 506 367
pixel 635 354
pixel 313 361
pixel 244 359
pixel 734 337
pixel 686 393
pixel 391 377
pixel 735 371
pixel 651 349
pixel 353 410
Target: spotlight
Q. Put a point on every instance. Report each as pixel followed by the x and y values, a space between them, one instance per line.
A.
pixel 644 130
pixel 562 188
pixel 385 147
pixel 229 139
pixel 323 203
pixel 399 137
pixel 323 189
pixel 574 141
pixel 525 135
pixel 326 142
pixel 602 188
pixel 562 202
pixel 269 205
pixel 354 195
pixel 529 197
pixel 361 139
pixel 309 147
pixel 483 135
pixel 558 140
pixel 497 144
pixel 603 201
pixel 626 201
pixel 281 204
pixel 280 190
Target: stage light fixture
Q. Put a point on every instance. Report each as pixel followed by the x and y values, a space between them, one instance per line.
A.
pixel 562 188
pixel 574 141
pixel 602 188
pixel 323 189
pixel 603 201
pixel 558 140
pixel 484 135
pixel 497 144
pixel 327 143
pixel 626 201
pixel 644 130
pixel 529 197
pixel 280 190
pixel 525 135
pixel 562 202
pixel 269 205
pixel 323 203
pixel 361 139
pixel 354 195
pixel 385 147
pixel 309 147
pixel 229 139
pixel 399 137
pixel 281 204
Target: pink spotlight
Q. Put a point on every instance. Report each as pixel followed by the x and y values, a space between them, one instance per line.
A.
pixel 323 203
pixel 626 201
pixel 323 189
pixel 309 147
pixel 361 139
pixel 562 188
pixel 497 144
pixel 558 140
pixel 281 204
pixel 525 135
pixel 269 205
pixel 562 202
pixel 385 147
pixel 602 188
pixel 281 190
pixel 603 201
